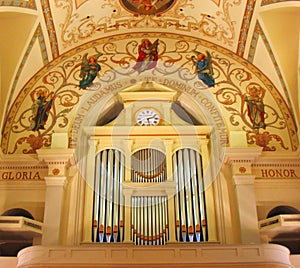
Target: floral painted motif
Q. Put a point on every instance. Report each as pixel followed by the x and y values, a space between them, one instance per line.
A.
pixel 249 100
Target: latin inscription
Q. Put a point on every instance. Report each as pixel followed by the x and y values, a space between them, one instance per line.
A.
pixel 20 175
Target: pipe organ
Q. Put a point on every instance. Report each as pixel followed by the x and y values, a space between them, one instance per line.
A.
pixel 149 222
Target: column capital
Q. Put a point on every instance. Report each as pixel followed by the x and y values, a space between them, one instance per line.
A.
pixel 57 160
pixel 242 155
pixel 241 159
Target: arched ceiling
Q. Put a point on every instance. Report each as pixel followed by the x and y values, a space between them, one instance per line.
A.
pixel 36 33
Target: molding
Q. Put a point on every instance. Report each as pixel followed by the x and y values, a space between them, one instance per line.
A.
pixel 243 179
pixel 55 181
pixel 277 183
pixel 56 156
pixel 245 155
pixel 180 254
pixel 25 185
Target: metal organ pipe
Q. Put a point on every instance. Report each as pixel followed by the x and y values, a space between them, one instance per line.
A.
pixel 190 209
pixel 108 199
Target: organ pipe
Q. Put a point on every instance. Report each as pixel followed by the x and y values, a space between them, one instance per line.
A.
pixel 149 214
pixel 190 208
pixel 108 199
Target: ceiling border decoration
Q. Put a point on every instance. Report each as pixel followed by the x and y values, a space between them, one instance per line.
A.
pixel 50 28
pixel 245 27
pixel 21 3
pixel 258 32
pixel 38 35
pixel 236 79
pixel 269 2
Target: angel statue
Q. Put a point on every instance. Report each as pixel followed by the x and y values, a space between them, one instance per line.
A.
pixel 203 64
pixel 89 70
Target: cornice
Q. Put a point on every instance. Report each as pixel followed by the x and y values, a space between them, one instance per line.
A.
pixel 56 156
pixel 245 155
pixel 278 159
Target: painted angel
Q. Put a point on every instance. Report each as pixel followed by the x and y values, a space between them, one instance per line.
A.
pixel 148 55
pixel 203 64
pixel 89 70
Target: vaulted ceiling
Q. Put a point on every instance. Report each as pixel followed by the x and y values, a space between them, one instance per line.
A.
pixel 35 34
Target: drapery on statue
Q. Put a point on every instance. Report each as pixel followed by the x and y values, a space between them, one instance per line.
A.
pixel 89 70
pixel 40 109
pixel 203 64
pixel 148 56
pixel 255 105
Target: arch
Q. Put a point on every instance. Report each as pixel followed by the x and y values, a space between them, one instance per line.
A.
pixel 18 212
pixel 148 165
pixel 229 93
pixel 279 210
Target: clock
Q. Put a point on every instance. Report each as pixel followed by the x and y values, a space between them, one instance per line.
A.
pixel 147 117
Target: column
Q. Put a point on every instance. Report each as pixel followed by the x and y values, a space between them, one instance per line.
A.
pixel 127 217
pixel 89 191
pixel 209 188
pixel 58 161
pixel 241 160
pixel 172 192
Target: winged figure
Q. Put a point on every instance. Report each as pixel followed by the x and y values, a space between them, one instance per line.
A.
pixel 203 64
pixel 89 70
pixel 148 55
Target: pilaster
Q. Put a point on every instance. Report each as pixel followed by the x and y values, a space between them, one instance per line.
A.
pixel 241 160
pixel 58 161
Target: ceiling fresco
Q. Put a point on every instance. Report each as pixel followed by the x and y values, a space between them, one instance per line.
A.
pixel 48 102
pixel 78 48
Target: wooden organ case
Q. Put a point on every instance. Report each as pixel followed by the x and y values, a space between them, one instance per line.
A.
pixel 145 178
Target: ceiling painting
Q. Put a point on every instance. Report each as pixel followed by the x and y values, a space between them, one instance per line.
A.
pixel 48 102
pixel 245 27
pixel 259 33
pixel 50 28
pixel 21 3
pixel 147 7
pixel 214 21
pixel 38 36
pixel 268 2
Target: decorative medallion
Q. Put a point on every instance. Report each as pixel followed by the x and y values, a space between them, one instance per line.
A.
pixel 147 7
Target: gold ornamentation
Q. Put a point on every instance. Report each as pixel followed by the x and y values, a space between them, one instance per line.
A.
pixel 219 26
pixel 35 143
pixel 55 171
pixel 263 140
pixel 234 78
pixel 242 170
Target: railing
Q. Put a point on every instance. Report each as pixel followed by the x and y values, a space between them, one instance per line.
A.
pixel 16 227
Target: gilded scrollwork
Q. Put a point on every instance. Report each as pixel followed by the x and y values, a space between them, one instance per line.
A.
pixel 57 89
pixel 181 16
pixel 244 100
pixel 243 96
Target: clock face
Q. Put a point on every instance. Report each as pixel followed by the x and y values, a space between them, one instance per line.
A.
pixel 147 117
